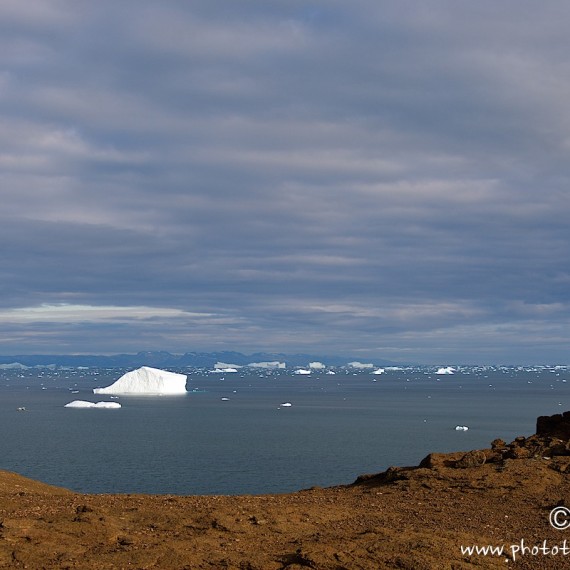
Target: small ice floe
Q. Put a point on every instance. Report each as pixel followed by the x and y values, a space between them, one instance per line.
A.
pixel 22 409
pixel 445 370
pixel 286 404
pixel 379 371
pixel 302 371
pixel 83 404
pixel 461 428
pixel 225 399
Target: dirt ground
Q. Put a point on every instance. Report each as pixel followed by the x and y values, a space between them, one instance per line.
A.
pixel 406 518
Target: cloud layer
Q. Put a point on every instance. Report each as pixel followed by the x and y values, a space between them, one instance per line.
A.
pixel 378 178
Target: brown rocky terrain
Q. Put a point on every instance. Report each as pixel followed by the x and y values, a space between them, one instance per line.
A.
pixel 408 518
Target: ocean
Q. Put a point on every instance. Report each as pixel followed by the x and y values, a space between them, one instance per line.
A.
pixel 231 435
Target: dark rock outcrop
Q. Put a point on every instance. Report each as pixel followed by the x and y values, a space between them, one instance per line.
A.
pixel 557 426
pixel 552 440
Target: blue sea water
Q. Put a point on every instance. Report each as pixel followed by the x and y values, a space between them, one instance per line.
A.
pixel 338 426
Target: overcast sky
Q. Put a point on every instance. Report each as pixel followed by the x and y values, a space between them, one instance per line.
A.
pixel 370 178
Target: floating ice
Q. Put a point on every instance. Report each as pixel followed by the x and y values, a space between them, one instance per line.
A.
pixel 461 428
pixel 357 364
pixel 13 366
pixel 147 380
pixel 379 371
pixel 446 370
pixel 302 371
pixel 84 404
pixel 224 367
pixel 273 364
pixel 316 365
pixel 286 405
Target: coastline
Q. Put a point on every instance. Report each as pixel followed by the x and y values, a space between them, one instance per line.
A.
pixel 408 517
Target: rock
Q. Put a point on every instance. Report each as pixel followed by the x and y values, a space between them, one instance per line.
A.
pixel 492 455
pixel 394 474
pixel 438 460
pixel 516 452
pixel 556 448
pixel 472 459
pixel 557 425
pixel 367 477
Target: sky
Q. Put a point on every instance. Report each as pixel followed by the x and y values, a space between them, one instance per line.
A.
pixel 380 179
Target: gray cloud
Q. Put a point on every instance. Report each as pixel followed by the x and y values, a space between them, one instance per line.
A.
pixel 371 178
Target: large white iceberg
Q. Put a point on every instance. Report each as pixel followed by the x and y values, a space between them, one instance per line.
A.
pixel 147 380
pixel 99 405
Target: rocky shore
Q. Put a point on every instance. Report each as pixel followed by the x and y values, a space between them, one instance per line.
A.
pixel 432 516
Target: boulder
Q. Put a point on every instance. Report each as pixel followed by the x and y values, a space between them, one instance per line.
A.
pixel 557 425
pixel 472 459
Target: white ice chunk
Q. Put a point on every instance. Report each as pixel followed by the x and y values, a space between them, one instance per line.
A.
pixel 84 404
pixel 216 370
pixel 357 364
pixel 302 371
pixel 461 428
pixel 13 366
pixel 446 370
pixel 317 365
pixel 273 364
pixel 379 371
pixel 286 404
pixel 147 380
pixel 222 366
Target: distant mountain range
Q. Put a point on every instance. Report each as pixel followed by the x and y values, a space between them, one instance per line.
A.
pixel 161 359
